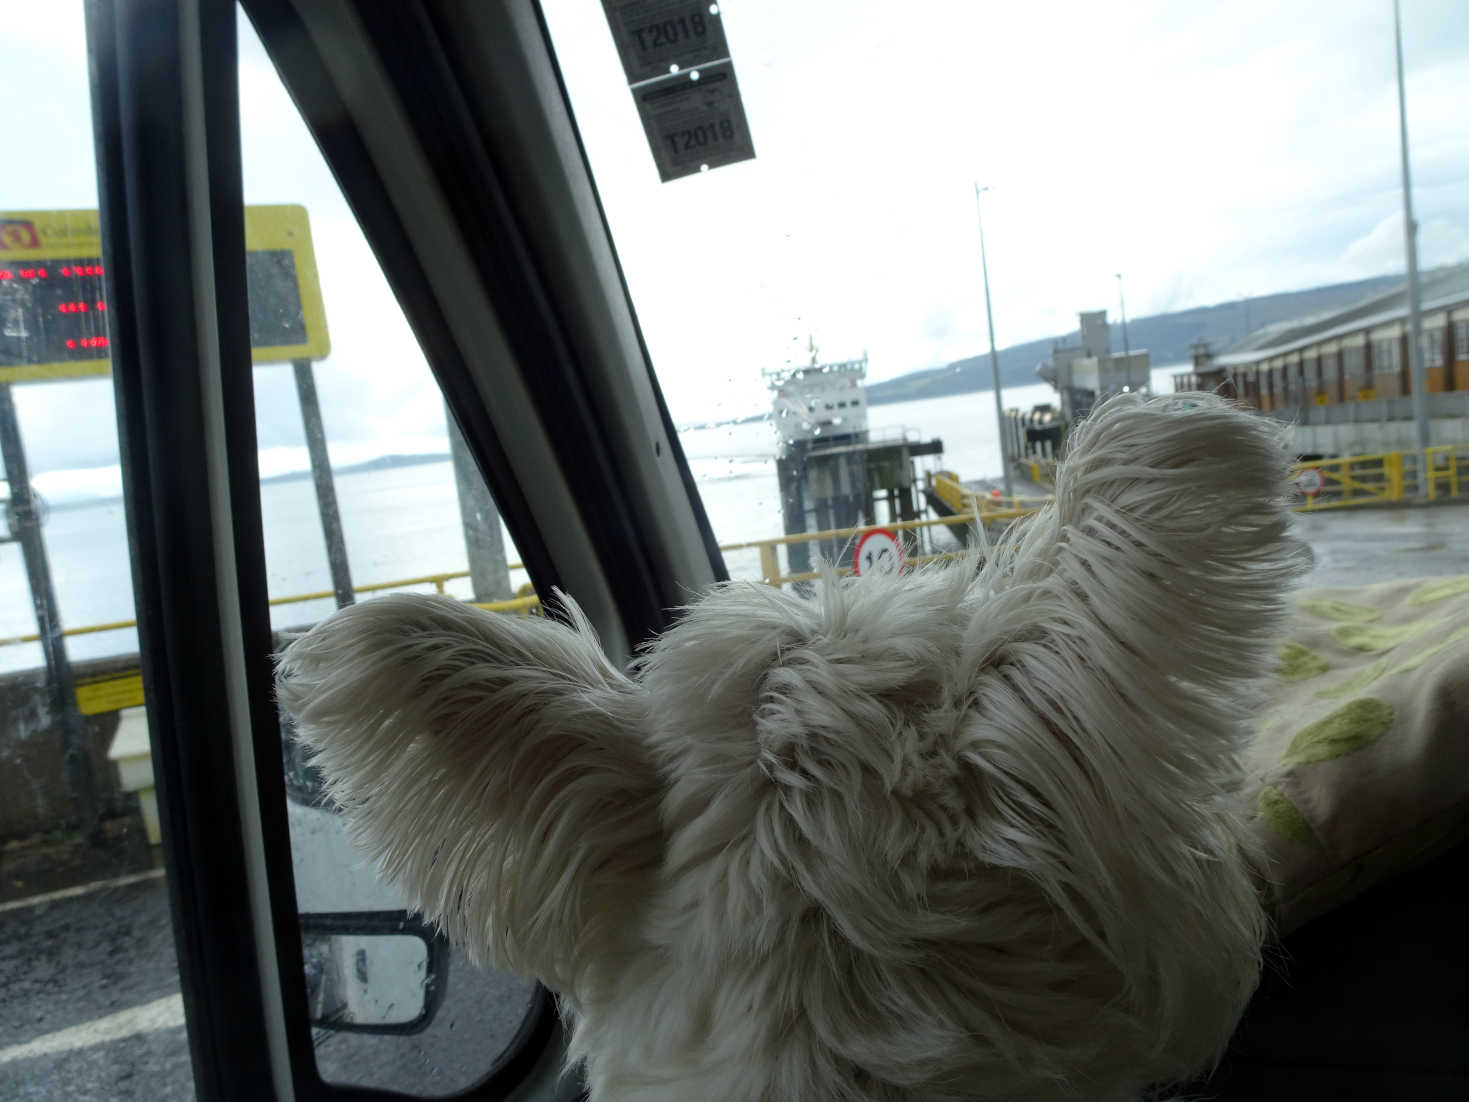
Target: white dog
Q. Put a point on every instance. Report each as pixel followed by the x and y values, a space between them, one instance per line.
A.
pixel 964 834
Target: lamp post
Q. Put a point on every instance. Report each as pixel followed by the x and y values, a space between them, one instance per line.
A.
pixel 1122 302
pixel 1410 235
pixel 994 355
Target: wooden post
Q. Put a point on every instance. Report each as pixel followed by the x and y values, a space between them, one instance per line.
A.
pixel 326 491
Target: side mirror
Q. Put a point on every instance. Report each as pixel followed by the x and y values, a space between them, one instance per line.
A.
pixel 373 971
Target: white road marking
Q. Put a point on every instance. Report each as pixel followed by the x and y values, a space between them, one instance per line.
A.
pixel 164 1013
pixel 83 889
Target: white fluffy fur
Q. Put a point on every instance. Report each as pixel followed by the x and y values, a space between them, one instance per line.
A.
pixel 966 834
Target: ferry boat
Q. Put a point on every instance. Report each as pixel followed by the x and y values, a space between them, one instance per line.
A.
pixel 816 401
pixel 832 474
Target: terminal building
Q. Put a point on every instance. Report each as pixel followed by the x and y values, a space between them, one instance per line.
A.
pixel 1343 378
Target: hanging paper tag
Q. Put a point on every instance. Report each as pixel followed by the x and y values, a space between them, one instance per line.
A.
pixel 677 63
pixel 695 121
pixel 659 37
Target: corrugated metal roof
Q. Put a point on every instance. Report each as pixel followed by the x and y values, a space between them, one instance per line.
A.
pixel 1437 290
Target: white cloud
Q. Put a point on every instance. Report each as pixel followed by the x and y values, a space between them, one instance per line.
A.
pixel 1383 249
pixel 1206 150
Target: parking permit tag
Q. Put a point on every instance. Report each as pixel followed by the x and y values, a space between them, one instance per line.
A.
pixel 656 38
pixel 695 121
pixel 677 63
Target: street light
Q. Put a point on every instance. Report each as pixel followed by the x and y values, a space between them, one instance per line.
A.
pixel 1410 235
pixel 994 356
pixel 1123 303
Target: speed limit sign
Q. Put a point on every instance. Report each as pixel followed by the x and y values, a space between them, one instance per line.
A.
pixel 1310 481
pixel 878 552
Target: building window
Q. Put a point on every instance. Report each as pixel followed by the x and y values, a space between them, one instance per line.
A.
pixel 1461 340
pixel 1353 361
pixel 1433 348
pixel 1385 357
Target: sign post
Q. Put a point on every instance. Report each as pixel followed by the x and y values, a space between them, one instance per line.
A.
pixel 326 488
pixel 53 327
pixel 25 528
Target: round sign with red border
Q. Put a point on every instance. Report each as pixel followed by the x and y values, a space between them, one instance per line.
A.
pixel 1310 481
pixel 878 552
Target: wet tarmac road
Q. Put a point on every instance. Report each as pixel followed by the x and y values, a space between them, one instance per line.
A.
pixel 91 1009
pixel 1365 545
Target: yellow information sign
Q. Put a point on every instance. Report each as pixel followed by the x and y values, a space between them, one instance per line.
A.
pixel 53 306
pixel 109 693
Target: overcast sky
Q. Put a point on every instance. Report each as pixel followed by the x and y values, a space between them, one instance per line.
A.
pixel 1206 150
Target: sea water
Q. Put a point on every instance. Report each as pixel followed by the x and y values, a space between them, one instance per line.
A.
pixel 404 522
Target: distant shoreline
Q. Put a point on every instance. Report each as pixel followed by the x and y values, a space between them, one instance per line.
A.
pixel 381 463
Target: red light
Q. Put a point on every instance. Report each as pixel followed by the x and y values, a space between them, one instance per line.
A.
pixel 43 273
pixel 6 273
pixel 102 306
pixel 28 273
pixel 71 343
pixel 66 271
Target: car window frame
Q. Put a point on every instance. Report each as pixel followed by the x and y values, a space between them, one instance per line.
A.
pixel 164 77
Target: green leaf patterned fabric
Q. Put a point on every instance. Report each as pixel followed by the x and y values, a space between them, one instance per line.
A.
pixel 1330 609
pixel 1348 729
pixel 1297 663
pixel 1439 590
pixel 1284 817
pixel 1373 637
pixel 1360 764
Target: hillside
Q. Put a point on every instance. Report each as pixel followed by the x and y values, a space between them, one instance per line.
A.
pixel 1166 336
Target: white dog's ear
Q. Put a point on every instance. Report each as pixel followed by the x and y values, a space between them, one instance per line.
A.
pixel 1171 521
pixel 494 766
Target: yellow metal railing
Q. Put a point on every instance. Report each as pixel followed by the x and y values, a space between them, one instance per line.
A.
pixel 770 572
pixel 1333 484
pixel 1443 471
pixel 1350 480
pixel 960 498
pixel 1386 478
pixel 521 604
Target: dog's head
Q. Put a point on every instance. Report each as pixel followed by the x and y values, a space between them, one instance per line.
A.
pixel 964 833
